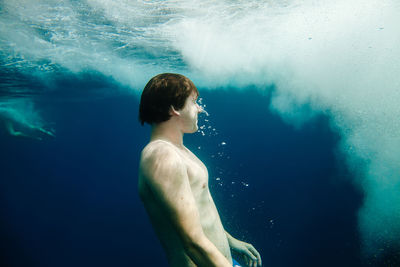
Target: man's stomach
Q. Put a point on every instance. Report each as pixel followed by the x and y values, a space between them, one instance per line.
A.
pixel 214 231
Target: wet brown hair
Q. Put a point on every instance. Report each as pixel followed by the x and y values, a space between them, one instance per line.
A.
pixel 160 93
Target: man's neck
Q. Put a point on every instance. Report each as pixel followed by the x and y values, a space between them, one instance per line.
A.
pixel 167 131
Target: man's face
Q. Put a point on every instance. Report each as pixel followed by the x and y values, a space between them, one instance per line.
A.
pixel 189 114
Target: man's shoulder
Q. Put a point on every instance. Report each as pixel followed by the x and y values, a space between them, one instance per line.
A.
pixel 159 152
pixel 161 164
pixel 158 148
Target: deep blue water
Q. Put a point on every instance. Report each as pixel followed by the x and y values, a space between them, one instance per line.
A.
pixel 78 67
pixel 72 200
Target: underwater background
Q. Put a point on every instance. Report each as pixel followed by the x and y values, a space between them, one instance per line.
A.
pixel 301 137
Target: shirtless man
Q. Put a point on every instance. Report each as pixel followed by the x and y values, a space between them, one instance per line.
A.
pixel 173 182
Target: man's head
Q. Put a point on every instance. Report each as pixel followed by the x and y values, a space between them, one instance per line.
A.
pixel 163 94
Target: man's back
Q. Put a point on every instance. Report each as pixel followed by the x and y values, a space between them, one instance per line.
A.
pixel 159 161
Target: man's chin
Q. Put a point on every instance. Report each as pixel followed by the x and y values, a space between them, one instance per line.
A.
pixel 191 131
pixel 196 128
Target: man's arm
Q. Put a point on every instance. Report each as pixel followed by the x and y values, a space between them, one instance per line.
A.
pixel 13 132
pixel 250 254
pixel 167 177
pixel 10 129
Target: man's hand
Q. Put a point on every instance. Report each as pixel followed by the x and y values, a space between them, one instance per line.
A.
pixel 247 251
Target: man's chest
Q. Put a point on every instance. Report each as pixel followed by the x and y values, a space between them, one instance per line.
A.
pixel 197 174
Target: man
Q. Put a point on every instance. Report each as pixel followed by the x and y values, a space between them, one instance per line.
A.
pixel 173 182
pixel 20 121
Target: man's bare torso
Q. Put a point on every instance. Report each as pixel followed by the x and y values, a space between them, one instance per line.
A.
pixel 209 217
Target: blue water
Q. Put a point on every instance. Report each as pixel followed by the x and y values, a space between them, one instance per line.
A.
pixel 72 200
pixel 301 146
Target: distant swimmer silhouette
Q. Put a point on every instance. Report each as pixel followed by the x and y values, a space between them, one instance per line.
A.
pixel 29 131
pixel 19 119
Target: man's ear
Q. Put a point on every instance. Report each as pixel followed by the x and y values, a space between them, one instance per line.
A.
pixel 173 112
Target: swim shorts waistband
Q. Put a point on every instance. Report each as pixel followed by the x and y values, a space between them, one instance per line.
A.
pixel 236 264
